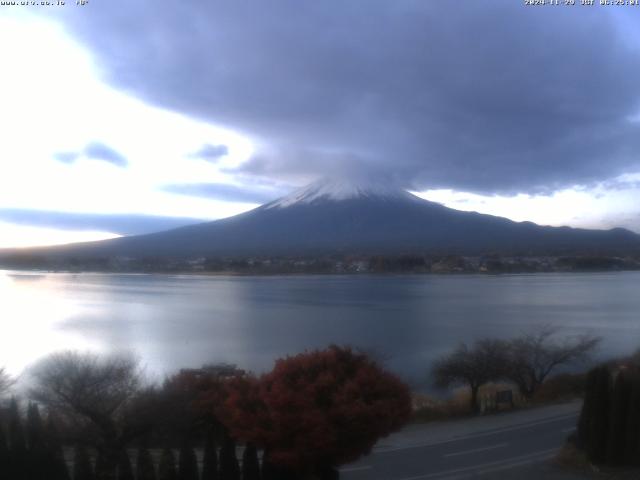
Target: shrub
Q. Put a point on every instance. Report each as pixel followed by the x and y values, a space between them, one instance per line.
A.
pixel 610 418
pixel 563 386
pixel 187 464
pixel 318 410
pixel 144 465
pixel 229 468
pixel 250 464
pixel 167 466
pixel 82 469
pixel 210 460
pixel 125 472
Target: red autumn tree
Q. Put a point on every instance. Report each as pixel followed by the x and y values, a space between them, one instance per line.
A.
pixel 317 410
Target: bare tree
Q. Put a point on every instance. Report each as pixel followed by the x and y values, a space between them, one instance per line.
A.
pixel 472 366
pixel 533 356
pixel 93 390
pixel 6 382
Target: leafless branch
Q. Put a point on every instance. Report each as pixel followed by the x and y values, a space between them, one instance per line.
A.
pixel 533 356
pixel 6 382
pixel 91 390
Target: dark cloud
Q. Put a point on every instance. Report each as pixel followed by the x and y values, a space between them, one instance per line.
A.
pixel 100 151
pixel 485 96
pixel 226 192
pixel 95 151
pixel 129 224
pixel 211 153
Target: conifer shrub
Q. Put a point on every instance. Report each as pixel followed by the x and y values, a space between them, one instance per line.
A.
pixel 187 464
pixel 145 469
pixel 167 467
pixel 4 454
pixel 125 471
pixel 229 468
pixel 18 462
pixel 618 410
pixel 82 469
pixel 609 425
pixel 56 464
pixel 632 445
pixel 210 460
pixel 250 464
pixel 37 455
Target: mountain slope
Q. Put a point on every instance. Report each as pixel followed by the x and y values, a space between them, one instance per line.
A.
pixel 345 217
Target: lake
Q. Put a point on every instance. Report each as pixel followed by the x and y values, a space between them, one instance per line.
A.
pixel 173 321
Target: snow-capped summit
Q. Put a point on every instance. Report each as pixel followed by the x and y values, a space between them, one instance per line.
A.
pixel 337 189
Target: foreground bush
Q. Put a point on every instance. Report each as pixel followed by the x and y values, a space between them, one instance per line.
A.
pixel 564 386
pixel 317 410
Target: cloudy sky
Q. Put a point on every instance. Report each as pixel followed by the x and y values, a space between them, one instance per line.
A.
pixel 120 117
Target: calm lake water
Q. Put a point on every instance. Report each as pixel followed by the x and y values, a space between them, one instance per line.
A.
pixel 178 321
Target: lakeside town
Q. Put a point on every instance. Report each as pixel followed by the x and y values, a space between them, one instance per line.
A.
pixel 331 264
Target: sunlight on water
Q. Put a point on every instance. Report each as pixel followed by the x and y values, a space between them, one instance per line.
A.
pixel 30 310
pixel 171 322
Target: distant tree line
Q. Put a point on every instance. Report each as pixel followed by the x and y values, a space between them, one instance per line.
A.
pixel 427 262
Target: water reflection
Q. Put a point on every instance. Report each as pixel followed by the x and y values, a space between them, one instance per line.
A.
pixel 31 311
pixel 174 321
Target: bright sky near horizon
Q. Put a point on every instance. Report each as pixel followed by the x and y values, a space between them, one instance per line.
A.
pixel 84 148
pixel 54 104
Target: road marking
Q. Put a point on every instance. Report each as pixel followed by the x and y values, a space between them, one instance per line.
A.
pixel 488 467
pixel 567 430
pixel 475 450
pixel 520 463
pixel 478 435
pixel 355 469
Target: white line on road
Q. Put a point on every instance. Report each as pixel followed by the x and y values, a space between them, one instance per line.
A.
pixel 519 463
pixel 488 467
pixel 475 450
pixel 355 469
pixel 477 435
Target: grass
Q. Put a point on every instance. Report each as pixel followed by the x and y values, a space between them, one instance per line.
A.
pixel 557 389
pixel 573 460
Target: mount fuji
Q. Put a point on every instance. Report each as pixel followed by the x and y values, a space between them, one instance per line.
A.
pixel 340 216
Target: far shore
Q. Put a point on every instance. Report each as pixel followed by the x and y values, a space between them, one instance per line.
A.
pixel 334 264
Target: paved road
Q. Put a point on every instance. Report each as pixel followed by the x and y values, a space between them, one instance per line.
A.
pixel 488 447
